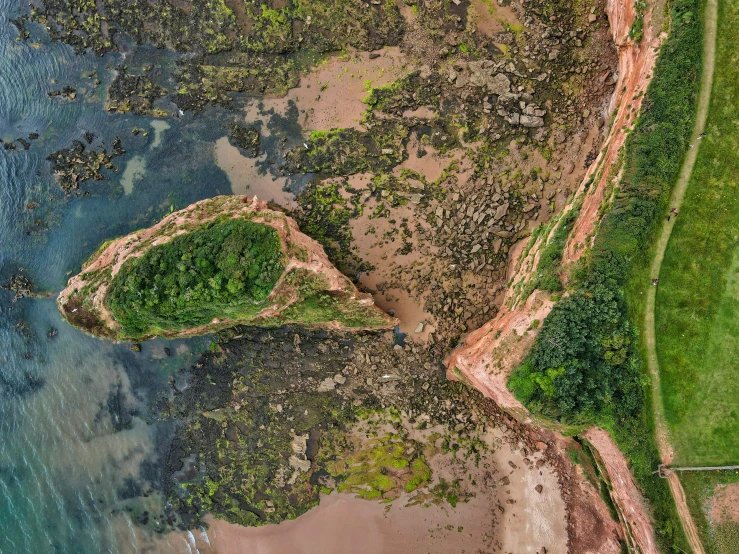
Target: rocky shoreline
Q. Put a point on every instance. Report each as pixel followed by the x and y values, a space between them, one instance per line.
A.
pixel 266 417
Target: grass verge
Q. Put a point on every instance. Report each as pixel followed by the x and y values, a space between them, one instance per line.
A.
pixel 698 296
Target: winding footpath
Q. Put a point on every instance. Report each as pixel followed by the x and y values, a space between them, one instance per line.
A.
pixel 665 449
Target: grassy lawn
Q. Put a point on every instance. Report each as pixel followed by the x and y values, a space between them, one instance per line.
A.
pixel 697 308
pixel 719 535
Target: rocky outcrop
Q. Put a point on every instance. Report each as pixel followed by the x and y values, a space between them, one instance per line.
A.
pixel 83 301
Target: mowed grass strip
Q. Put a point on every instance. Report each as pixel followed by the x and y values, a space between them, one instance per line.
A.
pixel 697 308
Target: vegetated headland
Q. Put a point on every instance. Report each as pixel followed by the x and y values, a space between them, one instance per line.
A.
pixel 218 263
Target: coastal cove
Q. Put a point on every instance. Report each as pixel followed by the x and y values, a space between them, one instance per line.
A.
pixel 239 241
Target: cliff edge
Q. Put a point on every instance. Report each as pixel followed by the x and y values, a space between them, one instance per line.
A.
pixel 487 356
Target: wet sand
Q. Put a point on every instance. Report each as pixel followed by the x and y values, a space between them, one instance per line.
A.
pixel 402 305
pixel 504 514
pixel 247 177
pixel 343 524
pixel 492 18
pixel 159 128
pixel 331 96
pixel 431 166
pixel 134 171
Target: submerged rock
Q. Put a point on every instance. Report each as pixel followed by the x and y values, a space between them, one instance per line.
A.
pixel 246 138
pixel 78 164
pixel 220 262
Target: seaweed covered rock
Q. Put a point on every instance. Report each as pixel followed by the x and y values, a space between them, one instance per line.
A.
pixel 267 42
pixel 134 93
pixel 246 138
pixel 77 164
pixel 220 262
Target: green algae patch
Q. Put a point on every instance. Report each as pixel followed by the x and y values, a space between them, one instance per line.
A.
pixel 381 469
pixel 221 262
pixel 225 269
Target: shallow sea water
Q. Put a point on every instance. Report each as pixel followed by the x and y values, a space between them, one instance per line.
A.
pixel 75 449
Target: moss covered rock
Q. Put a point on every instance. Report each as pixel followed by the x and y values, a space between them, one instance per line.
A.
pixel 220 262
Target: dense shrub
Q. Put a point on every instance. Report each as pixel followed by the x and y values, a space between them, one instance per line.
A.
pixel 580 361
pixel 225 266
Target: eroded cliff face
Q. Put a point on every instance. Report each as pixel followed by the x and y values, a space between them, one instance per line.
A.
pixel 307 269
pixel 487 356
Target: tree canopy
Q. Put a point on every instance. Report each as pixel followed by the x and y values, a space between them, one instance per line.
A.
pixel 225 266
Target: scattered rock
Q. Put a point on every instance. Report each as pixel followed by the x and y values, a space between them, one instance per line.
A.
pixel 501 211
pixel 531 121
pixel 246 138
pixel 327 384
pixel 20 285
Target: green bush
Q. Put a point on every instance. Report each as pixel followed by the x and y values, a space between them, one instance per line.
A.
pixel 547 270
pixel 224 268
pixel 580 361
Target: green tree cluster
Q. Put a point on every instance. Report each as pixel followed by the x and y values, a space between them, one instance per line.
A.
pixel 226 267
pixel 580 366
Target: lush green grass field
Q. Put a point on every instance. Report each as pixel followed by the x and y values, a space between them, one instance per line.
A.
pixel 718 537
pixel 697 310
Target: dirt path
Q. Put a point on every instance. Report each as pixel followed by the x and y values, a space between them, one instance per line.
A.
pixel 691 531
pixel 704 97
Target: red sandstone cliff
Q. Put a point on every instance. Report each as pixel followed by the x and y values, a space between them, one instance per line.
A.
pixel 487 356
